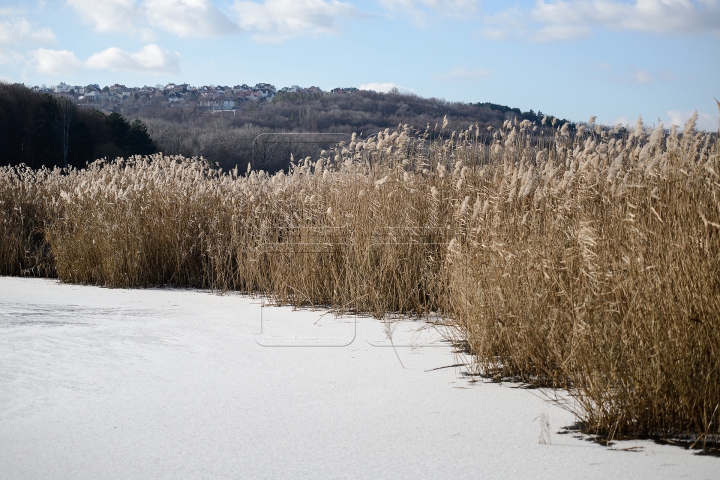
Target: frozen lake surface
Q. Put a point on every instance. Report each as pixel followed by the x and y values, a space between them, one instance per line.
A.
pixel 165 383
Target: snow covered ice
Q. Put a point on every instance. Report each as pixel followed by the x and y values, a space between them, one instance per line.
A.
pixel 171 383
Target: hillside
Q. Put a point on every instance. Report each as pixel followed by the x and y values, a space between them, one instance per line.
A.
pixel 228 137
pixel 221 124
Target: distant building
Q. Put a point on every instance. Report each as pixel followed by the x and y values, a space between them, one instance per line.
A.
pixel 266 87
pixel 344 90
pixel 217 103
pixel 174 97
pixel 92 96
pixel 62 88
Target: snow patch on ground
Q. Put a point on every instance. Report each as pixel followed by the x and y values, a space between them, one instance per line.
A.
pixel 171 383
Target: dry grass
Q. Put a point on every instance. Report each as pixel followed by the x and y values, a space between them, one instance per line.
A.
pixel 24 210
pixel 594 266
pixel 585 261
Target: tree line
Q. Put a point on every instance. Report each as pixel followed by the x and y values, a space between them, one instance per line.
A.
pixel 229 138
pixel 357 111
pixel 45 130
pixel 42 130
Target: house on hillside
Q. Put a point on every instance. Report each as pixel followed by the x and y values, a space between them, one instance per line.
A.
pixel 264 91
pixel 93 96
pixel 267 87
pixel 344 90
pixel 225 103
pixel 62 88
pixel 217 103
pixel 174 97
pixel 243 95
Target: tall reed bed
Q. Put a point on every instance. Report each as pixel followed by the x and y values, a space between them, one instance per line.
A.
pixel 594 266
pixel 25 208
pixel 586 260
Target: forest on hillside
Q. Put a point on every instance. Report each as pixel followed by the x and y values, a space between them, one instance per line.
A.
pixel 231 137
pixel 41 129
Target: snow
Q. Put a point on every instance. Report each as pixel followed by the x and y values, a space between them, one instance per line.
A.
pixel 169 383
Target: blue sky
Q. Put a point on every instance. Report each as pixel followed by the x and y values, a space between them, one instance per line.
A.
pixel 575 58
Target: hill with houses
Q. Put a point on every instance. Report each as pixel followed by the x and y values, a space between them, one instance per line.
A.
pixel 205 98
pixel 223 123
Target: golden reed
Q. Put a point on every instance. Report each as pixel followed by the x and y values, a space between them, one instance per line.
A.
pixel 586 260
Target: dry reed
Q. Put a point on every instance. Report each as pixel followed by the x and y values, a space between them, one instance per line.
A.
pixel 584 260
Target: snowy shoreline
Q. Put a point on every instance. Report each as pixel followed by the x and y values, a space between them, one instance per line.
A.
pixel 172 383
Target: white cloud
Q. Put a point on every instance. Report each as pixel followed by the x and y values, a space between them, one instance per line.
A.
pixel 705 121
pixel 9 11
pixel 184 18
pixel 189 18
pixel 643 77
pixel 464 74
pixel 385 87
pixel 149 59
pixel 567 20
pixel 270 21
pixel 420 9
pixel 108 15
pixel 18 31
pixel 10 56
pixel 622 120
pixel 274 21
pixel 55 62
pixel 632 74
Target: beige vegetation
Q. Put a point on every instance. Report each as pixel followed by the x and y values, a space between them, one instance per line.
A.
pixel 587 261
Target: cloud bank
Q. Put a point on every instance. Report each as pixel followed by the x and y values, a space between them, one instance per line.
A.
pixel 420 10
pixel 572 19
pixel 184 18
pixel 17 31
pixel 151 59
pixel 705 121
pixel 189 18
pixel 55 62
pixel 108 15
pixel 274 21
pixel 269 21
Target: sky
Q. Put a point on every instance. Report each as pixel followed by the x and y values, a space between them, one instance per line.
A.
pixel 572 59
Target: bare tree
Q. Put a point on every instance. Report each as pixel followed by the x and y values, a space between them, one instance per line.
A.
pixel 66 112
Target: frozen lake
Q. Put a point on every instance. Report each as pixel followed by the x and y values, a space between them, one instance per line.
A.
pixel 164 383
